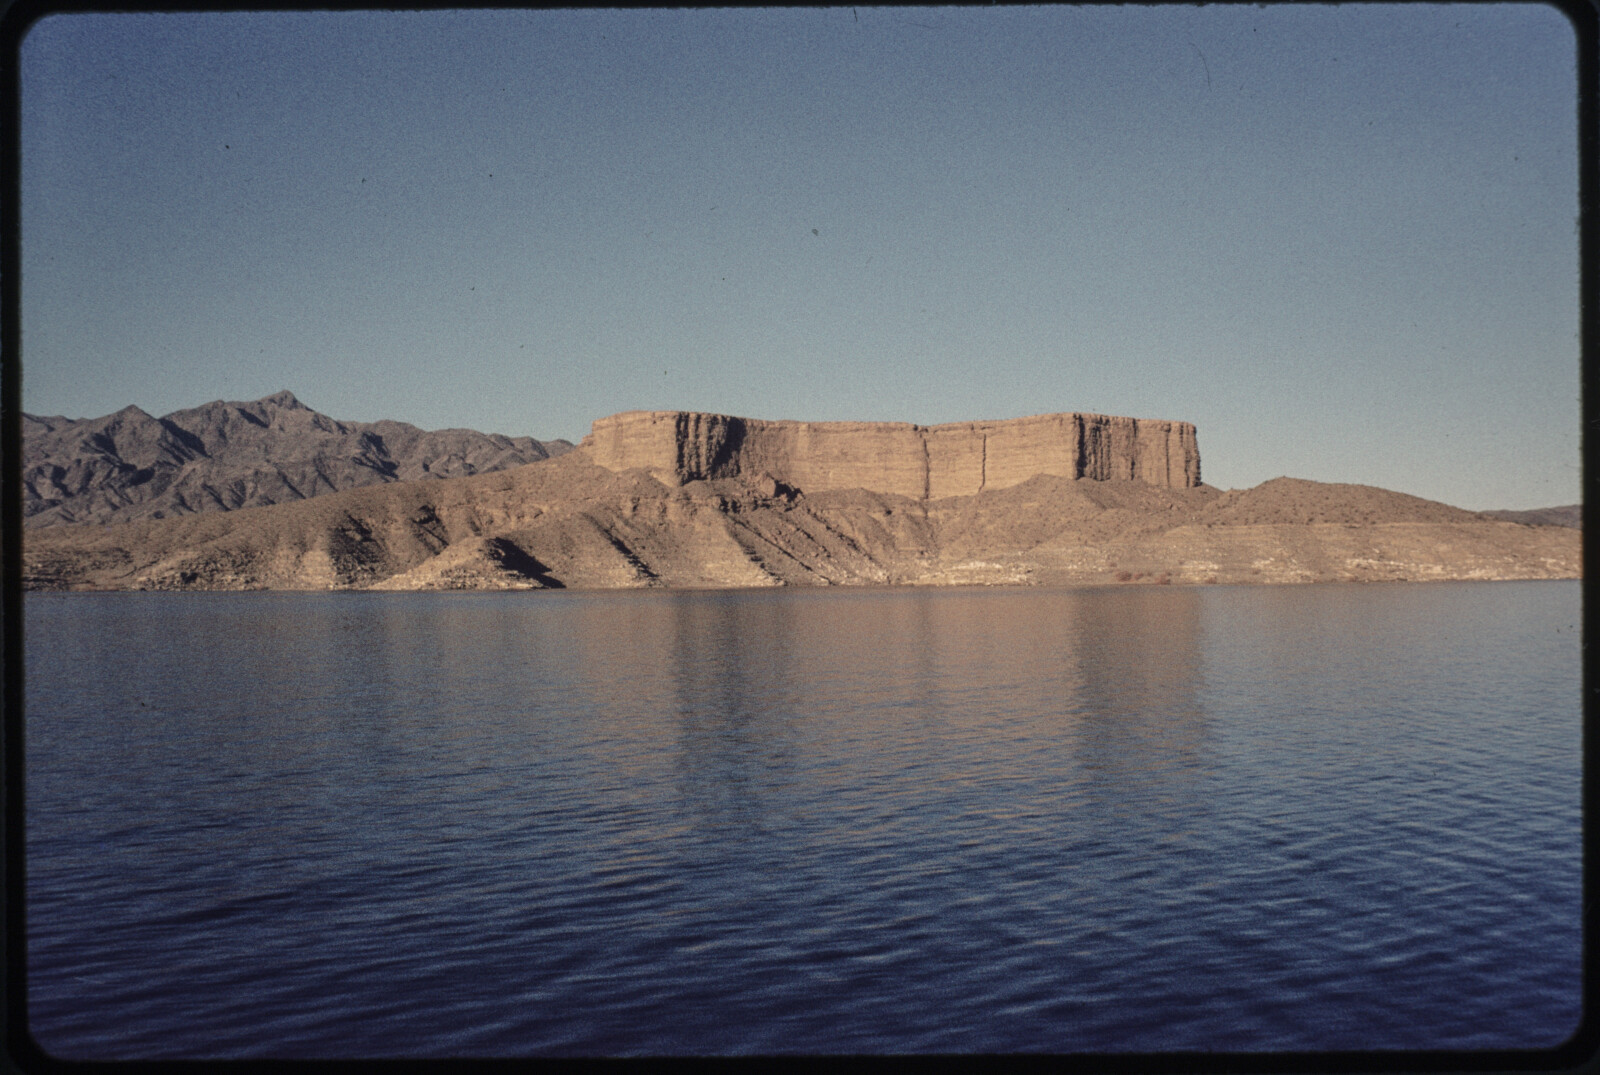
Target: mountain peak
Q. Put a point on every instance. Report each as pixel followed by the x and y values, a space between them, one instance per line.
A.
pixel 284 399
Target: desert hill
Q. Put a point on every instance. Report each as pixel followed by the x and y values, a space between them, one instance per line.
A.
pixel 570 522
pixel 227 455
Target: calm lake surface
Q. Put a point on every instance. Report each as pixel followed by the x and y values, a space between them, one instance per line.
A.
pixel 1155 818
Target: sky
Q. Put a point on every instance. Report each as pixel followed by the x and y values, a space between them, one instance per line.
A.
pixel 1340 240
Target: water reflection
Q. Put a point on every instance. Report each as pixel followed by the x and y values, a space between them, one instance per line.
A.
pixel 976 694
pixel 734 676
pixel 1141 721
pixel 841 821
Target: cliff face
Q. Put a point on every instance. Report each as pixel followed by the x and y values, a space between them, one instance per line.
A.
pixel 922 462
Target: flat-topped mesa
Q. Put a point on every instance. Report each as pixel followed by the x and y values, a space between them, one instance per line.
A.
pixel 923 462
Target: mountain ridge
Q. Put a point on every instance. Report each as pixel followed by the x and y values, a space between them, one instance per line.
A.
pixel 226 455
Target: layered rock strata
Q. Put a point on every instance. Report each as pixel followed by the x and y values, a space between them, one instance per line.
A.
pixel 899 458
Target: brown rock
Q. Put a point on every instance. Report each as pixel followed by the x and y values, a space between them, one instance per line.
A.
pixel 921 462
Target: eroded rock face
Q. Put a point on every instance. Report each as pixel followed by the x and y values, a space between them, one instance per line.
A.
pixel 922 462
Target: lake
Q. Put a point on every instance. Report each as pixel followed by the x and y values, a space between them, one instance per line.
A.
pixel 1140 819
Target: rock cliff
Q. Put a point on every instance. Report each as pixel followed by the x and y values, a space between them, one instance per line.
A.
pixel 921 462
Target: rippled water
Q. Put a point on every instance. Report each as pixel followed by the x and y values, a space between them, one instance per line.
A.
pixel 1277 818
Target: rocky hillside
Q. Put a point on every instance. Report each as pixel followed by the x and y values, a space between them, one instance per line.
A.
pixel 227 456
pixel 567 522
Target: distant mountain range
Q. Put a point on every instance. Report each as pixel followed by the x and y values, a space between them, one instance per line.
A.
pixel 1567 515
pixel 227 455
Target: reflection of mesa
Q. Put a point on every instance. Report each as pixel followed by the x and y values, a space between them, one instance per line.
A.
pixel 924 462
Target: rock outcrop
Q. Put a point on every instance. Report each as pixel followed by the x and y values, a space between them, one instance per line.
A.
pixel 921 462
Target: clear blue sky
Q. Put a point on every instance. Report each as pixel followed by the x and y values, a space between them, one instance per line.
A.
pixel 1340 240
